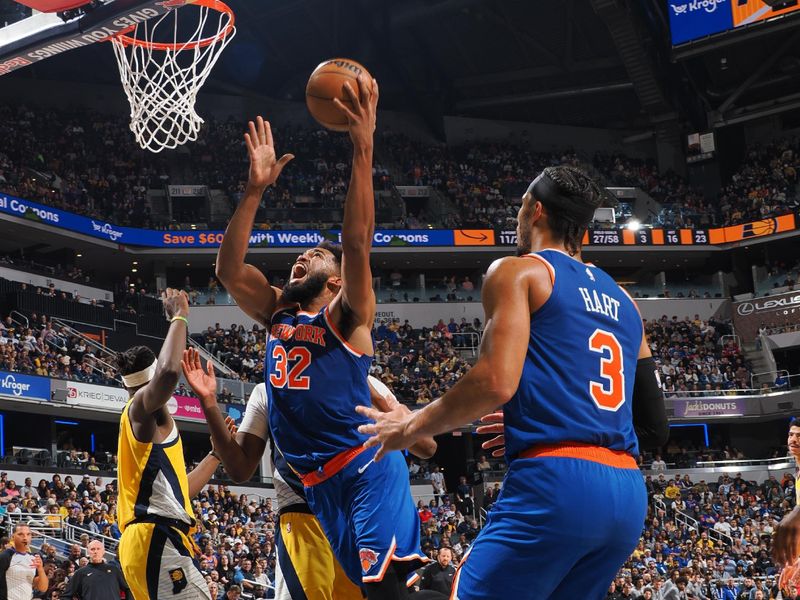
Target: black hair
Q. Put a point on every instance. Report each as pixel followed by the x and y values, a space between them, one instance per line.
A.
pixel 334 249
pixel 794 422
pixel 579 189
pixel 134 360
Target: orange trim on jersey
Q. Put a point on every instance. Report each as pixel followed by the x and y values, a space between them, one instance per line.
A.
pixel 547 264
pixel 457 578
pixel 413 580
pixel 424 559
pixel 386 562
pixel 339 336
pixel 306 314
pixel 331 468
pixel 598 454
pixel 636 306
pixel 280 310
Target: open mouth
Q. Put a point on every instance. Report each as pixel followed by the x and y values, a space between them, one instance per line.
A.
pixel 299 270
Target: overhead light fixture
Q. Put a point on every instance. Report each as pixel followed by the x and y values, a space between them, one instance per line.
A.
pixel 136 262
pixel 634 225
pixel 134 270
pixel 79 255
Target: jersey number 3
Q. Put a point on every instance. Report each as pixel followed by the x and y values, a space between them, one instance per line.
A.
pixel 292 378
pixel 610 394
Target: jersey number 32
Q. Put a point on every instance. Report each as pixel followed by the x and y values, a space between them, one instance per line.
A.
pixel 289 367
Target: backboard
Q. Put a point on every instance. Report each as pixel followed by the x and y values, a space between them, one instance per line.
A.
pixel 70 24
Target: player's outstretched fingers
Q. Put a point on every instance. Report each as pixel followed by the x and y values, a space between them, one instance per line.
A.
pixel 380 453
pixel 346 111
pixel 497 428
pixel 185 362
pixel 369 412
pixel 495 417
pixel 371 429
pixel 494 442
pixel 354 98
pixel 197 364
pixel 268 131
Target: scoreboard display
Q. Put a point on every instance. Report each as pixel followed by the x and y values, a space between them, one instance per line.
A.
pixel 646 237
pixel 672 237
pixel 695 19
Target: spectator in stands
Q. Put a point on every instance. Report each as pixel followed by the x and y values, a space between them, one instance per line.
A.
pixel 98 580
pixel 464 503
pixel 234 593
pixel 658 464
pixel 437 483
pixel 439 575
pixel 483 464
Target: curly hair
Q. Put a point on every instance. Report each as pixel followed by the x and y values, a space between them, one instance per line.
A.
pixel 134 360
pixel 579 196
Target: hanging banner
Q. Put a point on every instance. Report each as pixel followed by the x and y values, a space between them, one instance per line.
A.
pixel 29 387
pixel 708 407
pixel 96 396
pixel 185 407
pixel 771 311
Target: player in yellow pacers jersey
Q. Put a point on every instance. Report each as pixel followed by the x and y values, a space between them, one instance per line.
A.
pixel 154 510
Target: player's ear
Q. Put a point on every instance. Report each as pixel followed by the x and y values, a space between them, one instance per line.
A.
pixel 334 283
pixel 537 211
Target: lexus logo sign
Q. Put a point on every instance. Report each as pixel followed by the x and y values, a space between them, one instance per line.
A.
pixel 745 308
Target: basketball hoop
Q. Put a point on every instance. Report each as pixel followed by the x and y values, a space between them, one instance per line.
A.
pixel 162 78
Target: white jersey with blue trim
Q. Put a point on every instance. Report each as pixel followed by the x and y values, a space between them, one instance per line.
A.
pixel 287 484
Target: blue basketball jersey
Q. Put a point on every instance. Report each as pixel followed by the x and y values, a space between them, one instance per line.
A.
pixel 315 379
pixel 577 380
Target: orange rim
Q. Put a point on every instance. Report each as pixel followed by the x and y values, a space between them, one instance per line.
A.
pixel 217 5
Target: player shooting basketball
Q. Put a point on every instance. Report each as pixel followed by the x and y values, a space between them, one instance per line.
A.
pixel 317 357
pixel 564 354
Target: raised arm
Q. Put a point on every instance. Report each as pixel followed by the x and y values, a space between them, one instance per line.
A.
pixel 153 396
pixel 40 579
pixel 240 455
pixel 354 309
pixel 246 283
pixel 508 293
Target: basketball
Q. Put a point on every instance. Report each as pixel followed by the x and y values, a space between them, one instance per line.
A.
pixel 325 84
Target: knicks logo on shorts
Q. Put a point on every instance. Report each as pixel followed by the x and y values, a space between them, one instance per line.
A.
pixel 369 558
pixel 178 579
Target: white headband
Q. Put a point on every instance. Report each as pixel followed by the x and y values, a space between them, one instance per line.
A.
pixel 140 377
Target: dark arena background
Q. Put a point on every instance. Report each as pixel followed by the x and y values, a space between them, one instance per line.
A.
pixel 685 111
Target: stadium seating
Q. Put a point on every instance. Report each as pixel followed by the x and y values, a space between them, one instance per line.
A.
pixel 85 162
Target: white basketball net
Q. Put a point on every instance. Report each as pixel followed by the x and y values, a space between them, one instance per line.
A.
pixel 162 84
